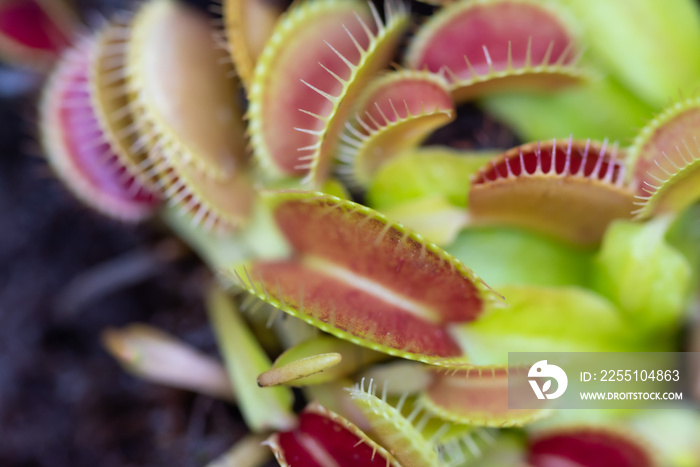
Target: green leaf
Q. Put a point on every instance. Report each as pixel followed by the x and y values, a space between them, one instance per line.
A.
pixel 429 171
pixel 634 38
pixel 672 433
pixel 432 216
pixel 262 408
pixel 504 256
pixel 543 319
pixel 599 109
pixel 353 358
pixel 639 271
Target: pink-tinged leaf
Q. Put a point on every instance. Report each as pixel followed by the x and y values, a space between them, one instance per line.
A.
pixel 398 94
pixel 588 447
pixel 35 32
pixel 79 151
pixel 492 36
pixel 495 45
pixel 354 274
pixel 395 113
pixel 158 357
pixel 570 190
pixel 665 157
pixel 324 439
pixel 293 56
pixel 315 64
pixel 477 396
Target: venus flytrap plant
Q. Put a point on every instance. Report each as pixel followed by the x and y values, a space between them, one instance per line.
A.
pixel 665 158
pixel 325 438
pixel 331 259
pixel 332 64
pixel 475 396
pixel 144 111
pixel 412 433
pixel 397 111
pixel 490 46
pixel 199 162
pixel 173 119
pixel 290 373
pixel 334 397
pixel 81 153
pixel 393 430
pixel 516 189
pixel 340 359
pixel 107 81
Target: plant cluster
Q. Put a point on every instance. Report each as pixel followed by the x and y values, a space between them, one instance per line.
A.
pixel 406 272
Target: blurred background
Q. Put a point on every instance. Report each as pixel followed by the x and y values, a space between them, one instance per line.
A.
pixel 66 274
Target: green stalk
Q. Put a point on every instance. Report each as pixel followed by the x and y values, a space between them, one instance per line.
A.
pixel 262 408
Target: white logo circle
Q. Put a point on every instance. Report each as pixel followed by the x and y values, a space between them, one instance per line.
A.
pixel 543 370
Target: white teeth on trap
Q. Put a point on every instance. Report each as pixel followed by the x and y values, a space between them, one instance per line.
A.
pixel 188 115
pixel 77 147
pixel 571 191
pixel 318 59
pixel 664 161
pixel 188 105
pixel 498 45
pixel 394 113
pixel 127 150
pixel 110 100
